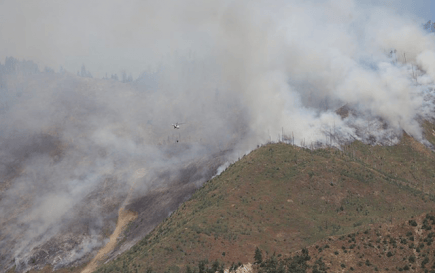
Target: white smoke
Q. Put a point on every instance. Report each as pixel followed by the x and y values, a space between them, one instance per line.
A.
pixel 238 73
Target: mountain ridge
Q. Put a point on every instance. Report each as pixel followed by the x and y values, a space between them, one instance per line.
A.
pixel 228 218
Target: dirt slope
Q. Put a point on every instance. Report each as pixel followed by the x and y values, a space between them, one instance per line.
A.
pixel 124 218
pixel 283 198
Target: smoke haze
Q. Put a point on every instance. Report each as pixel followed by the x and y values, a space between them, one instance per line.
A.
pixel 237 73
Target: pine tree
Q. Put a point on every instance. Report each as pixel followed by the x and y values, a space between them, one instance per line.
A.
pixel 258 257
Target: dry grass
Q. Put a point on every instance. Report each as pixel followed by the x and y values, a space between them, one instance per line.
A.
pixel 282 198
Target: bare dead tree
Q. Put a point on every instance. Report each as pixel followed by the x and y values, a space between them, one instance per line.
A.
pixel 293 139
pixel 414 75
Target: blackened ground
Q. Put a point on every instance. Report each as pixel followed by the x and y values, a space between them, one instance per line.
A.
pixel 80 229
pixel 159 203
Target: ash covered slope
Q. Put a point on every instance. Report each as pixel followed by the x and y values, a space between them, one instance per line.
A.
pixel 74 150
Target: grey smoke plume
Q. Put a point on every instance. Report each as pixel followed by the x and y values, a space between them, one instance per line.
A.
pixel 238 73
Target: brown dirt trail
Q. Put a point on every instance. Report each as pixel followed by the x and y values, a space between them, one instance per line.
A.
pixel 124 217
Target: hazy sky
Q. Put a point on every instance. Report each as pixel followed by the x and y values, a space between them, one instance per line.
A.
pixel 110 36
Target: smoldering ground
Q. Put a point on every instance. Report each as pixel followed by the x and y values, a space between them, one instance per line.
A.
pixel 73 150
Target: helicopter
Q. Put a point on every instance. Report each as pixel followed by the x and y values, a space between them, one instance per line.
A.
pixel 177 125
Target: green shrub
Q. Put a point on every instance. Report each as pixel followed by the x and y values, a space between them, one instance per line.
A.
pixel 424 262
pixel 411 259
pixel 412 223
